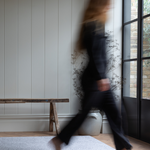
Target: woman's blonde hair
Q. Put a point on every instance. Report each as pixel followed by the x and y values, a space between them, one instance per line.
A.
pixel 93 12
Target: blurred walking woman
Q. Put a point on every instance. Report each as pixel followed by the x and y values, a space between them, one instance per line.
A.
pixel 94 82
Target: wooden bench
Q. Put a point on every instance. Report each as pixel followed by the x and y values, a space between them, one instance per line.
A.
pixel 53 113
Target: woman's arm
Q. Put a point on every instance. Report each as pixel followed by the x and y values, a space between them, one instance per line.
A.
pixel 98 56
pixel 99 59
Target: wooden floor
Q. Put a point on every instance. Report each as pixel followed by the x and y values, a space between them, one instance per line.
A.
pixel 137 144
pixel 105 138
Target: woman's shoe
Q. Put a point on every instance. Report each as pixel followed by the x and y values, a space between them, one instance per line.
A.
pixel 56 143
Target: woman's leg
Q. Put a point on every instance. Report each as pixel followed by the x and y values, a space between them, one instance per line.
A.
pixel 76 122
pixel 114 118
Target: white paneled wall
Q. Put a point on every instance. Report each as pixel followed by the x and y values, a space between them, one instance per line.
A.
pixel 118 36
pixel 37 38
pixel 114 24
pixel 64 53
pixel 11 53
pixel 51 49
pixel 2 52
pixel 76 19
pixel 36 41
pixel 24 55
pixel 38 50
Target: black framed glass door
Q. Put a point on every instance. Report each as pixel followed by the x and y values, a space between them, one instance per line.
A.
pixel 136 67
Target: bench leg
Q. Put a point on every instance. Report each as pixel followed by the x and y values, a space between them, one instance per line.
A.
pixel 55 118
pixel 51 118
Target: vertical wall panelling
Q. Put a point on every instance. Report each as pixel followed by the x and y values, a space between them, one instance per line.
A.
pixel 118 38
pixel 109 28
pixel 110 23
pixel 38 54
pixel 64 54
pixel 11 39
pixel 51 49
pixel 77 12
pixel 24 54
pixel 2 51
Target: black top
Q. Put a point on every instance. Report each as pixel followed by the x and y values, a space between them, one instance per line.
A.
pixel 94 41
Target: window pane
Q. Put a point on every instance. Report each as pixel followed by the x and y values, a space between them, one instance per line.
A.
pixel 130 79
pixel 130 41
pixel 130 10
pixel 146 7
pixel 146 79
pixel 146 37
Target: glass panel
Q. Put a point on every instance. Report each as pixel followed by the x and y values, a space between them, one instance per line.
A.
pixel 146 79
pixel 146 37
pixel 130 41
pixel 130 79
pixel 130 10
pixel 146 7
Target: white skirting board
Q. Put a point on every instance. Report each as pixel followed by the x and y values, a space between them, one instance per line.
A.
pixel 23 123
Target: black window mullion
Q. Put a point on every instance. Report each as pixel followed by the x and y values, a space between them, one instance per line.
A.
pixel 143 58
pixel 135 59
pixel 139 70
pixel 129 22
pixel 146 16
pixel 122 49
